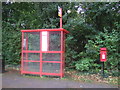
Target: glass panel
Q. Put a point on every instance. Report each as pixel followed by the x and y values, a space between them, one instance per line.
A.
pixel 31 41
pixel 51 67
pixel 31 66
pixel 31 56
pixel 54 40
pixel 51 56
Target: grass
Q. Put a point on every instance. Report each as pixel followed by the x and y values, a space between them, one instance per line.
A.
pixel 42 77
pixel 86 80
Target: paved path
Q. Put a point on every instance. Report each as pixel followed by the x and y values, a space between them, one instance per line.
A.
pixel 13 79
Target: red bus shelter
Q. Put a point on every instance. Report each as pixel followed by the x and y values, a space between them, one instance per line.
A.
pixel 43 52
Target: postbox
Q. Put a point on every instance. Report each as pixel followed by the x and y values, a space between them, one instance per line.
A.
pixel 103 54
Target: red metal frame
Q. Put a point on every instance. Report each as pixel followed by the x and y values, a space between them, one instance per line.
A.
pixel 38 30
pixel 22 54
pixel 61 18
pixel 40 54
pixel 61 68
pixel 63 53
pixel 48 41
pixel 27 49
pixel 62 50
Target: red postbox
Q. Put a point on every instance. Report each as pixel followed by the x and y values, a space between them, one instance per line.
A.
pixel 103 54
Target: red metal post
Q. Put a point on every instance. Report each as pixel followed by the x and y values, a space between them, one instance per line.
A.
pixel 63 52
pixel 61 64
pixel 27 50
pixel 22 53
pixel 48 40
pixel 27 45
pixel 61 18
pixel 41 54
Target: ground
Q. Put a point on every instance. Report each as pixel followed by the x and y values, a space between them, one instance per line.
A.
pixel 13 79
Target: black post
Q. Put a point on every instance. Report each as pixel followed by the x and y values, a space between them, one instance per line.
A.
pixel 103 69
pixel 2 65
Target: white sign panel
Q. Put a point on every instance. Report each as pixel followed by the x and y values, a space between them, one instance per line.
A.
pixel 44 40
pixel 103 56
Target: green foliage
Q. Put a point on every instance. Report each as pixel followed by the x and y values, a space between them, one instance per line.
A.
pixel 84 64
pixel 102 15
pixel 108 40
pixel 87 64
pixel 24 15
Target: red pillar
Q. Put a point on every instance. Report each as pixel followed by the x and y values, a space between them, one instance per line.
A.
pixel 41 54
pixel 61 64
pixel 22 53
pixel 61 18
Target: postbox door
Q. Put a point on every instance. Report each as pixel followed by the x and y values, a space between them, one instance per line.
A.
pixel 103 56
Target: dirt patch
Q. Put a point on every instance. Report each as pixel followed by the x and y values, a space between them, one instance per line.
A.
pixel 91 78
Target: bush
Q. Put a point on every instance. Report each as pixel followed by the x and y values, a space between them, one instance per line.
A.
pixel 84 64
pixel 108 40
pixel 87 64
